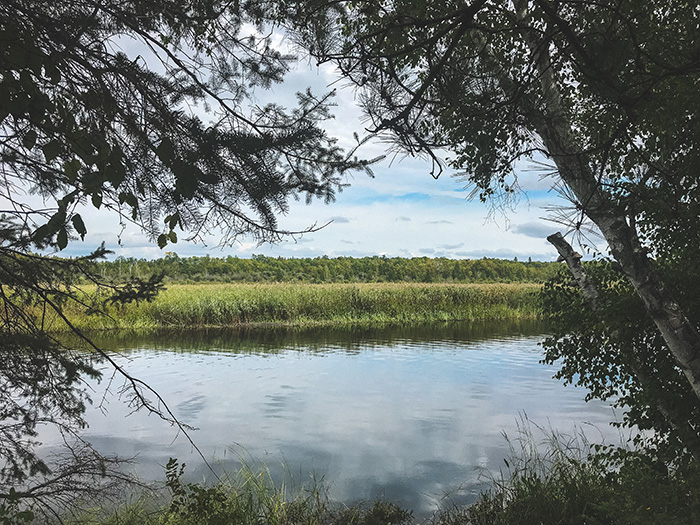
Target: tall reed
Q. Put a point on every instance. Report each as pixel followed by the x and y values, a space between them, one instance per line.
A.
pixel 184 306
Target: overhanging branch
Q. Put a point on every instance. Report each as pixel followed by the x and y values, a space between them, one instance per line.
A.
pixel 573 261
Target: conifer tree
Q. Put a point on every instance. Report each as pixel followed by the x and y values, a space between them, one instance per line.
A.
pixel 142 108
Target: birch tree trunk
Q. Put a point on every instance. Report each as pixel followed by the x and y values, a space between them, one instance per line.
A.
pixel 686 431
pixel 555 127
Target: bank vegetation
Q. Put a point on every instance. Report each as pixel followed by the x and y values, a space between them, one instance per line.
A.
pixel 182 306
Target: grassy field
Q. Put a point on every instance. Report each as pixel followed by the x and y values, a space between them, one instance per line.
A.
pixel 217 305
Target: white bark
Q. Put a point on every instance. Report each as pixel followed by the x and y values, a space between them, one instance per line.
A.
pixel 555 127
pixel 686 431
pixel 573 261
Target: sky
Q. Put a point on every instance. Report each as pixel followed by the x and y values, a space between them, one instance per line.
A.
pixel 400 212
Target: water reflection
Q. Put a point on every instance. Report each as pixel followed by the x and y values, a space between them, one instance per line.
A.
pixel 406 414
pixel 276 339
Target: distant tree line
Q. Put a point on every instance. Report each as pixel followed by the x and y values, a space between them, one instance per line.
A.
pixel 260 268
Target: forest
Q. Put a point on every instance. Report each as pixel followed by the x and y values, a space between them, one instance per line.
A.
pixel 260 268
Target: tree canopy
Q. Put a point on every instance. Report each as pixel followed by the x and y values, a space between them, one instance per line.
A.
pixel 602 95
pixel 147 109
pixel 325 269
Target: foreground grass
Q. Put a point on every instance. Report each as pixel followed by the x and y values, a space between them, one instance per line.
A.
pixel 572 491
pixel 250 498
pixel 560 480
pixel 564 480
pixel 210 305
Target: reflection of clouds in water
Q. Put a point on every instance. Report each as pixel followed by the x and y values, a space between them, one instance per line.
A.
pixel 189 409
pixel 284 405
pixel 407 420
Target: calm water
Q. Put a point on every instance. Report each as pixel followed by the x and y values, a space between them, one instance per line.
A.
pixel 413 416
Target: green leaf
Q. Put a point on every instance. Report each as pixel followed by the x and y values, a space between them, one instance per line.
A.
pixel 79 225
pixel 166 151
pixel 57 219
pixel 128 198
pixel 41 233
pixel 172 220
pixel 83 146
pixel 71 169
pixel 29 139
pixel 92 180
pixel 115 173
pixel 67 199
pixel 172 236
pixel 51 149
pixel 62 238
pixel 97 199
pixel 186 179
pixel 162 241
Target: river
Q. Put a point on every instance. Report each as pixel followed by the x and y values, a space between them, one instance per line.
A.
pixel 416 416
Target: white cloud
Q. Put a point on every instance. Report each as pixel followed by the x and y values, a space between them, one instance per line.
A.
pixel 537 230
pixel 452 246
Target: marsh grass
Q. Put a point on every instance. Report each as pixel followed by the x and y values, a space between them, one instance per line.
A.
pixel 250 497
pixel 558 479
pixel 549 478
pixel 210 305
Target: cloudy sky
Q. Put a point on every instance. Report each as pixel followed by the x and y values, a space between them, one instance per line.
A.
pixel 402 211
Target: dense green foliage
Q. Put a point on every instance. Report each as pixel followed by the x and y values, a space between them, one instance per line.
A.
pixel 98 104
pixel 610 84
pixel 209 305
pixel 602 95
pixel 329 270
pixel 617 354
pixel 566 481
pixel 146 109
